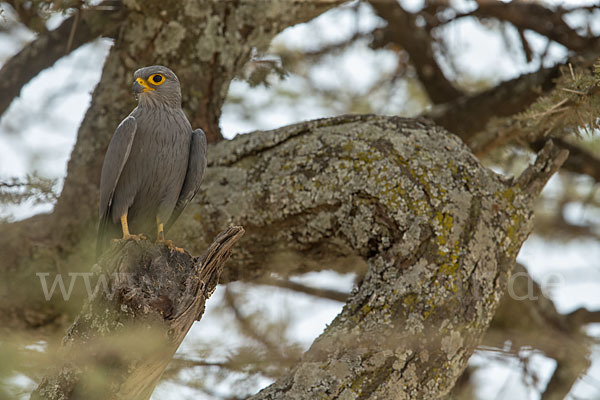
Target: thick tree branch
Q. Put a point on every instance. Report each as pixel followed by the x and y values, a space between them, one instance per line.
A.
pixel 48 47
pixel 438 232
pixel 151 291
pixel 565 375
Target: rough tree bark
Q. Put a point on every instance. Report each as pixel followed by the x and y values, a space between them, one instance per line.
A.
pixel 126 334
pixel 438 231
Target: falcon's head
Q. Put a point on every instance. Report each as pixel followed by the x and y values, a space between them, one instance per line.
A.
pixel 157 85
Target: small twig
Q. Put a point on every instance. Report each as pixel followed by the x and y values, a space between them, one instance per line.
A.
pixel 571 70
pixel 313 291
pixel 525 43
pixel 572 91
pixel 72 32
pixel 552 110
pixel 402 29
pixel 337 46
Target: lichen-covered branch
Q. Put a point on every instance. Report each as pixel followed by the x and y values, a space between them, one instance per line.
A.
pixel 438 232
pixel 125 336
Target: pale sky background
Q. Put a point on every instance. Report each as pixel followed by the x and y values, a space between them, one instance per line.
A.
pixel 49 134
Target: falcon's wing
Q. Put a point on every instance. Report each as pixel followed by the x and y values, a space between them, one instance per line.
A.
pixel 193 177
pixel 114 161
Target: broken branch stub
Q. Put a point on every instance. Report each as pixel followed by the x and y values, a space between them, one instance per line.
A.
pixel 147 298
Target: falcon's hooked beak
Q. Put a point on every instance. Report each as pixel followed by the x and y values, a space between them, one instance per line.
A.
pixel 140 86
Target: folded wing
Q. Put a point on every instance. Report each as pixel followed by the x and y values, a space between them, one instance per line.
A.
pixel 193 177
pixel 114 161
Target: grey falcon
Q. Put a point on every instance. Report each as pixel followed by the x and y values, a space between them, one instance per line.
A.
pixel 154 163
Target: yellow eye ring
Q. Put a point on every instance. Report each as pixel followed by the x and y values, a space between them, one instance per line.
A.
pixel 156 79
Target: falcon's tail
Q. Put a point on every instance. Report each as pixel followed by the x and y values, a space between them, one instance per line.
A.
pixel 105 233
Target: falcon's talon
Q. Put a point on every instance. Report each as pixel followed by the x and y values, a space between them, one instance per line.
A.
pixel 170 245
pixel 137 237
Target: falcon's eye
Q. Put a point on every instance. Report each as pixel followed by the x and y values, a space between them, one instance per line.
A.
pixel 156 79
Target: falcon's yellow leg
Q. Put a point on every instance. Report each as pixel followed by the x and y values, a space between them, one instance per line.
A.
pixel 125 228
pixel 160 233
pixel 160 237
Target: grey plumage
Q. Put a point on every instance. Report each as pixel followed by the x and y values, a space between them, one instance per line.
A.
pixel 193 177
pixel 154 163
